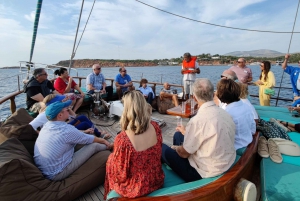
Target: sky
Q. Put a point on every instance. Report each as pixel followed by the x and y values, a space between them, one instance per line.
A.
pixel 127 29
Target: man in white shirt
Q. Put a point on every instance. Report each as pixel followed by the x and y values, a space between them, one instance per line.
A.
pixel 205 148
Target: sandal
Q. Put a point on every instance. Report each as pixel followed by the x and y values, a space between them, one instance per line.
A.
pixel 106 136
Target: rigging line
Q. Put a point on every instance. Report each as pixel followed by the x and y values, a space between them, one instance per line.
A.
pixel 217 25
pixel 85 26
pixel 73 53
pixel 288 51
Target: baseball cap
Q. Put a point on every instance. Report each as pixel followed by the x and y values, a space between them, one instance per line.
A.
pixel 55 99
pixel 55 108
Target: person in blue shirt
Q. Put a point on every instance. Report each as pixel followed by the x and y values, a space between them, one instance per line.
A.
pixel 123 82
pixel 294 73
pixel 96 81
pixel 147 91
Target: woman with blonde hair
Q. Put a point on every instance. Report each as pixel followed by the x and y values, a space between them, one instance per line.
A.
pixel 266 82
pixel 244 98
pixel 137 151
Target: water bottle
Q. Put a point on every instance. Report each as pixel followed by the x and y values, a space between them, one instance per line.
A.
pixel 179 120
pixel 192 106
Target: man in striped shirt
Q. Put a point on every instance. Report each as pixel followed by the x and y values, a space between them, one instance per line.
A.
pixel 54 148
pixel 96 81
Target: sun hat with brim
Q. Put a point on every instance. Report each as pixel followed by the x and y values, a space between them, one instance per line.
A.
pixel 55 99
pixel 55 108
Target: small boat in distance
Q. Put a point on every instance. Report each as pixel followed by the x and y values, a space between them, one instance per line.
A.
pixel 278 63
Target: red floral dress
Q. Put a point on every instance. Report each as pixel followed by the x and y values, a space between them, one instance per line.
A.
pixel 134 173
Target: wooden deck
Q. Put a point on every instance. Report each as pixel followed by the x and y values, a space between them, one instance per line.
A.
pixel 112 126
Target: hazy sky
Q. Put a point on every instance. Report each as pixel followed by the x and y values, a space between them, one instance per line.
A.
pixel 127 29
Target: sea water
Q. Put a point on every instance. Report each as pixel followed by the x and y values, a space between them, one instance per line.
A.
pixel 161 74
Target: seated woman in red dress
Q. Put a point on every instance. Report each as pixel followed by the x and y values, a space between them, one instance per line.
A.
pixel 65 84
pixel 134 168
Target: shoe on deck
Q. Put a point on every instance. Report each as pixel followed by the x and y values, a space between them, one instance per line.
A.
pixel 263 149
pixel 274 152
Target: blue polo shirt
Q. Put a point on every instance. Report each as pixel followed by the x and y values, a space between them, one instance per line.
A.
pixel 123 80
pixel 294 74
pixel 96 81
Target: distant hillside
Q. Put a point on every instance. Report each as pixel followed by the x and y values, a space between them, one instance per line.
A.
pixel 256 53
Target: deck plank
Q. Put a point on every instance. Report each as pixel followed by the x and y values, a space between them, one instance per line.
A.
pixel 168 131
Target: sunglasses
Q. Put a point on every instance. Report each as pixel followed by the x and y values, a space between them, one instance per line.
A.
pixel 97 69
pixel 223 76
pixel 240 62
pixel 43 74
pixel 124 71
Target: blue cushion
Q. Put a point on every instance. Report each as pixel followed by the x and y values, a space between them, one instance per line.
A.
pixel 282 113
pixel 279 181
pixel 176 187
pixel 241 151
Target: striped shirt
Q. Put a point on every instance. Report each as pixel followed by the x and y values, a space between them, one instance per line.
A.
pixel 95 80
pixel 54 147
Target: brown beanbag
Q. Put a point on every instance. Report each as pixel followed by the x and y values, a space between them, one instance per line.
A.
pixel 164 105
pixel 20 179
pixel 17 126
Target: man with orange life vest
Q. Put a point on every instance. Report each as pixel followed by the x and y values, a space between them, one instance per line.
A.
pixel 189 69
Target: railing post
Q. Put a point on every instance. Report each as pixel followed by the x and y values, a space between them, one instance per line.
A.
pixel 12 104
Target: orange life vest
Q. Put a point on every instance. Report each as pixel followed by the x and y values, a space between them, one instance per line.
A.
pixel 191 65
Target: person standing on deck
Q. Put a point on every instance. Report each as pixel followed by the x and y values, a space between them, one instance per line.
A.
pixel 266 81
pixel 243 73
pixel 205 148
pixel 96 81
pixel 294 73
pixel 189 69
pixel 36 89
pixel 123 82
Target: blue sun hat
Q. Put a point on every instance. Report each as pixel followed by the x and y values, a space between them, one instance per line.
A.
pixel 55 108
pixel 55 99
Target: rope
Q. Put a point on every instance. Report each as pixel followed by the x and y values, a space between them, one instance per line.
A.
pixel 217 25
pixel 85 26
pixel 288 52
pixel 73 53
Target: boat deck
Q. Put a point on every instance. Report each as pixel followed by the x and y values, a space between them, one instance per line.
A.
pixel 112 127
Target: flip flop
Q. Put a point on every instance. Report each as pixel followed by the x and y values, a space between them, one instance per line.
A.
pixel 106 136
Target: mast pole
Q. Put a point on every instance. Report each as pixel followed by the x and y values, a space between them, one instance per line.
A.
pixel 35 28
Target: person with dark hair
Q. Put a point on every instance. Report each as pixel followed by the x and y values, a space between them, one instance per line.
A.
pixel 123 82
pixel 36 89
pixel 189 69
pixel 147 91
pixel 205 147
pixel 229 92
pixel 243 73
pixel 65 84
pixel 266 81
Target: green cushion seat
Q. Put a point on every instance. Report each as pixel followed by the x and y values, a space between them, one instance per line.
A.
pixel 241 151
pixel 173 184
pixel 282 113
pixel 279 181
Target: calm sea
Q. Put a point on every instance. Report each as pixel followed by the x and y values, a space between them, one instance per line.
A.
pixel 171 74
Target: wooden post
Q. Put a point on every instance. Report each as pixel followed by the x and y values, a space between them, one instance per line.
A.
pixel 12 104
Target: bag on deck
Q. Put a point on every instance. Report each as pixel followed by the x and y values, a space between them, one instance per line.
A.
pixel 271 130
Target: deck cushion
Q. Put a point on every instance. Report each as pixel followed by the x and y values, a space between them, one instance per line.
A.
pixel 17 126
pixel 279 181
pixel 20 179
pixel 177 187
pixel 241 151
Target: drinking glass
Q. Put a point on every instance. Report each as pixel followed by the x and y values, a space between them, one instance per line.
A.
pixel 179 120
pixel 183 107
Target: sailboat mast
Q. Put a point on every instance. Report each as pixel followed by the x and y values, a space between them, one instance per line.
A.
pixel 35 28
